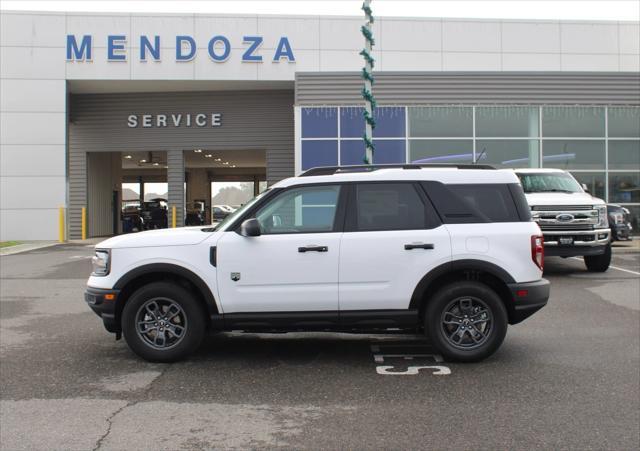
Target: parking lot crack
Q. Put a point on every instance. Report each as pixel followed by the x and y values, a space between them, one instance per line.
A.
pixel 132 403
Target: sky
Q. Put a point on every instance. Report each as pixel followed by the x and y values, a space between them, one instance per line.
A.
pixel 498 9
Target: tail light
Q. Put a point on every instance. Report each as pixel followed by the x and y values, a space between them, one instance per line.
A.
pixel 537 251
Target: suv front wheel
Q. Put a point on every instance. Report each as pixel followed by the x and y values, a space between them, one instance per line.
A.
pixel 163 322
pixel 466 321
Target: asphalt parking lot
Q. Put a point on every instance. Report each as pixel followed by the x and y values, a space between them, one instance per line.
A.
pixel 567 378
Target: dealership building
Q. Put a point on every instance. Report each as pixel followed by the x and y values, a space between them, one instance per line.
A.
pixel 91 103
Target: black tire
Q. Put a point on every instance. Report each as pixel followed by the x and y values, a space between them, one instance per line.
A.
pixel 168 345
pixel 599 263
pixel 447 300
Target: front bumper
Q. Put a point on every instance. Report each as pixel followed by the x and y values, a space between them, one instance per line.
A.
pixel 103 303
pixel 528 298
pixel 584 242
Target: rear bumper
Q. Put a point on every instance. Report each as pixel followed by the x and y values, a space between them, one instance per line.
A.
pixel 528 298
pixel 97 299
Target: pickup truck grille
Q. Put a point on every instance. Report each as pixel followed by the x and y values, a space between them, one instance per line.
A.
pixel 565 217
pixel 570 226
pixel 561 208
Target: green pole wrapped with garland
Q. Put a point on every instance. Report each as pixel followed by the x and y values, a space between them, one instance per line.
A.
pixel 367 76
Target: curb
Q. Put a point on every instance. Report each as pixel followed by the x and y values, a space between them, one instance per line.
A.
pixel 26 247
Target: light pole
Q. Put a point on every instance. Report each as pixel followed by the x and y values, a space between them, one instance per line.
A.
pixel 367 90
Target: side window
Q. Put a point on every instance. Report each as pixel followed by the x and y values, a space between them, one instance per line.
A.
pixel 494 201
pixel 307 209
pixel 389 206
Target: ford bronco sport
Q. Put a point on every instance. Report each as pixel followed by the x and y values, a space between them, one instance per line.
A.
pixel 449 250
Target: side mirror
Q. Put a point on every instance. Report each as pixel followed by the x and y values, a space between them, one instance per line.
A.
pixel 585 187
pixel 250 227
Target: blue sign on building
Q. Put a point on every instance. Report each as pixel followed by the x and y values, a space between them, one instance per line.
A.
pixel 80 48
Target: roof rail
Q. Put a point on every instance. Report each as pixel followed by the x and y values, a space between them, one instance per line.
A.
pixel 331 170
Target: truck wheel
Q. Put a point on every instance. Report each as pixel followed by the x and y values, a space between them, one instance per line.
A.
pixel 466 321
pixel 599 263
pixel 163 322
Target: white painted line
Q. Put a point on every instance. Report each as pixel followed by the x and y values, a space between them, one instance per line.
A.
pixel 413 370
pixel 614 267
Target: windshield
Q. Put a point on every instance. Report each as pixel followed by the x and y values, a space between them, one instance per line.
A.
pixel 549 182
pixel 236 213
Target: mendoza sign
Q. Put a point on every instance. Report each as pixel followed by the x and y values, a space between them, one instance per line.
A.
pixel 80 48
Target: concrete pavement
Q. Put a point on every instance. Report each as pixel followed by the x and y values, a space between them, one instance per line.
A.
pixel 567 378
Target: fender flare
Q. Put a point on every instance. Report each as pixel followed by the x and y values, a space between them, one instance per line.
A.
pixel 177 270
pixel 454 266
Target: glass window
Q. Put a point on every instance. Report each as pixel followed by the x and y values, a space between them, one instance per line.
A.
pixel 319 122
pixel 441 121
pixel 351 152
pixel 386 151
pixel 624 187
pixel 595 182
pixel 624 155
pixel 570 122
pixel 508 153
pixel 390 122
pixel 624 122
pixel 319 153
pixel 309 209
pixel 389 206
pixel 441 151
pixel 566 154
pixel 494 201
pixel 510 121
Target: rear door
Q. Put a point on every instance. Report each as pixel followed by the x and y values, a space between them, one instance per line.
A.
pixel 393 237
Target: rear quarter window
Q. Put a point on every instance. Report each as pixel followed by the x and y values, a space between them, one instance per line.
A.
pixel 478 203
pixel 494 201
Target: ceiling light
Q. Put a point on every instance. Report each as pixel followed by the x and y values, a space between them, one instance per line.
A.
pixel 226 162
pixel 218 159
pixel 198 151
pixel 143 161
pixel 128 157
pixel 208 155
pixel 233 166
pixel 156 164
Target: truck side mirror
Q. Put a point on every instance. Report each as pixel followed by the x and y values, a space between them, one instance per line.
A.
pixel 250 227
pixel 585 188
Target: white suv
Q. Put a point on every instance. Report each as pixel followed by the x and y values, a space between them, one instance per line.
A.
pixel 450 250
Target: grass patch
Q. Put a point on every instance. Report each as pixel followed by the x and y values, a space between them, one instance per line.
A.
pixel 8 243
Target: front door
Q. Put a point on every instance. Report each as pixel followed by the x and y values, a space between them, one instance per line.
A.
pixel 392 239
pixel 293 265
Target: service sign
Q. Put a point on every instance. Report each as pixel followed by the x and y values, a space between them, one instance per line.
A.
pixel 174 120
pixel 219 49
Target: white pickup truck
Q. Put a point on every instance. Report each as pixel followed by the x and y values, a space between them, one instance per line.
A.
pixel 573 222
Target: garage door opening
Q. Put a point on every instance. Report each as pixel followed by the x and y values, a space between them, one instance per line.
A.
pixel 218 182
pixel 126 192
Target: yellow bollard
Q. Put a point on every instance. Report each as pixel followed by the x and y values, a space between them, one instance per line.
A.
pixel 173 217
pixel 84 223
pixel 61 225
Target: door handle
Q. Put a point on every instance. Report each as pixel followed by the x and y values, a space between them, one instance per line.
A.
pixel 408 247
pixel 313 248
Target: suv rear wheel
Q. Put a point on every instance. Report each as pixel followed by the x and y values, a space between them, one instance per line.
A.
pixel 466 321
pixel 599 263
pixel 163 322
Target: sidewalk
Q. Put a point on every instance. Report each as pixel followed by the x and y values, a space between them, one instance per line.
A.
pixel 26 246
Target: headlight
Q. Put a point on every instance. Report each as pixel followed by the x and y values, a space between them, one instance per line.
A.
pixel 602 215
pixel 101 261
